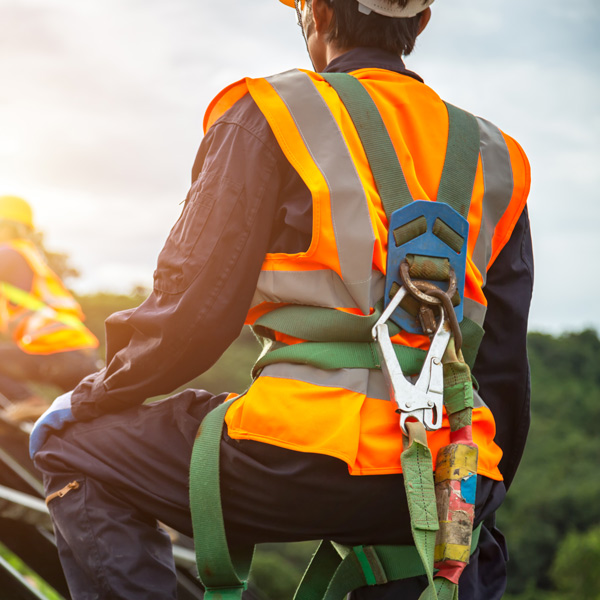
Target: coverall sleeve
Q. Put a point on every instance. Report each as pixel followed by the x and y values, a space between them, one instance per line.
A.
pixel 502 367
pixel 204 281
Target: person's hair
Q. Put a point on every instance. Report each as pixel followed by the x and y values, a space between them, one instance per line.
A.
pixel 351 28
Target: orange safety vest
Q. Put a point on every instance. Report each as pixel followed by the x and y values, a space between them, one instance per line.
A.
pixel 47 319
pixel 346 413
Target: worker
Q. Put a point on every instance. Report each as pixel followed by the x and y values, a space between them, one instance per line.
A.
pixel 43 337
pixel 283 212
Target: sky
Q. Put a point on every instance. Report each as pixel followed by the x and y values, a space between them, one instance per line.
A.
pixel 101 107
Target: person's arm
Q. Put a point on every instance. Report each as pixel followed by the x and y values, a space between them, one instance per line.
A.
pixel 206 274
pixel 502 368
pixel 14 269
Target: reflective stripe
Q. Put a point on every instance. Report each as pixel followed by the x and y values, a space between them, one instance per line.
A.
pixel 498 188
pixel 354 234
pixel 312 288
pixel 367 382
pixel 478 400
pixel 474 311
pixel 370 383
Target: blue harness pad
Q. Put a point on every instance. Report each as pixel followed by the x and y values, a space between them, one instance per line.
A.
pixel 425 244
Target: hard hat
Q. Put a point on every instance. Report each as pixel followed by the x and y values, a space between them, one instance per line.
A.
pixel 387 8
pixel 13 208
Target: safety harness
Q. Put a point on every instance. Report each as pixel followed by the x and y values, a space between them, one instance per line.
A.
pixel 426 252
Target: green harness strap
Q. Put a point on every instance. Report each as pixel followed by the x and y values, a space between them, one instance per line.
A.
pixel 339 340
pixel 462 152
pixel 334 570
pixel 225 576
pixel 330 327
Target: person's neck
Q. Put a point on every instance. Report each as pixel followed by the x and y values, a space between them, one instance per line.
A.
pixel 332 52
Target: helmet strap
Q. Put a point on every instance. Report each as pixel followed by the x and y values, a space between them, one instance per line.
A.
pixel 299 17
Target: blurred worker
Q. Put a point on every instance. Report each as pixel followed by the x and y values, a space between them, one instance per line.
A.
pixel 43 337
pixel 286 212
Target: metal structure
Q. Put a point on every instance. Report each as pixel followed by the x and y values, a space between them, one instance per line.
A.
pixel 26 529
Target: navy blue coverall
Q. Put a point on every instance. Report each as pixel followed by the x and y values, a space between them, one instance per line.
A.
pixel 132 460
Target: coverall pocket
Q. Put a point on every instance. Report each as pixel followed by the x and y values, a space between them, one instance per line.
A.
pixel 182 257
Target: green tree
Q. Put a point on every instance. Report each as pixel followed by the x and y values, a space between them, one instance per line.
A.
pixel 575 569
pixel 274 576
pixel 555 490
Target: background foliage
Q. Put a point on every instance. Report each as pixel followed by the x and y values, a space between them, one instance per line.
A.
pixel 551 516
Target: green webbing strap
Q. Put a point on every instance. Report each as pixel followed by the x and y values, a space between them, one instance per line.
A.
pixel 22 298
pixel 462 152
pixel 336 570
pixel 223 575
pixel 319 324
pixel 460 164
pixel 339 340
pixel 342 355
pixel 472 334
pixel 382 157
pixel 417 468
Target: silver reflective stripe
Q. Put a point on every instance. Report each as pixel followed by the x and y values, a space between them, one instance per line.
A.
pixel 498 189
pixel 370 383
pixel 312 288
pixel 478 400
pixel 474 311
pixel 354 234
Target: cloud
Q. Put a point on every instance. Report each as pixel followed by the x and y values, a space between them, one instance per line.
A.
pixel 102 102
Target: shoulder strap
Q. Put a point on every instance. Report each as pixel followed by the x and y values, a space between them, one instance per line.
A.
pixel 375 139
pixel 462 151
pixel 462 157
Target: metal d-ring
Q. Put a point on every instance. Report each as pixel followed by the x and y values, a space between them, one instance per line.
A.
pixel 417 293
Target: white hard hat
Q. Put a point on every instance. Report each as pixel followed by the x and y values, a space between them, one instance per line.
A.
pixel 385 7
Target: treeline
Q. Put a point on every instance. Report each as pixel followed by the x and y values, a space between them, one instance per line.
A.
pixel 551 516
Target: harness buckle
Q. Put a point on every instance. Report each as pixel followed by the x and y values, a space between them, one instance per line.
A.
pixel 423 400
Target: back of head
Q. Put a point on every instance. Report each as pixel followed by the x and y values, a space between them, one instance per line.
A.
pixel 391 25
pixel 16 215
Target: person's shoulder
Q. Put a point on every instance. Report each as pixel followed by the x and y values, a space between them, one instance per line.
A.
pixel 12 263
pixel 8 253
pixel 243 114
pixel 495 138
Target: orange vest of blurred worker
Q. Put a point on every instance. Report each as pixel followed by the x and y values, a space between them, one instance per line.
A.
pixel 46 319
pixel 343 412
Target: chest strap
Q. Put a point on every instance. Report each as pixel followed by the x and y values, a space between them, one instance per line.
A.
pixel 339 340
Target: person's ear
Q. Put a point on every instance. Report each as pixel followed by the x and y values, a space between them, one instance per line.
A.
pixel 322 15
pixel 424 20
